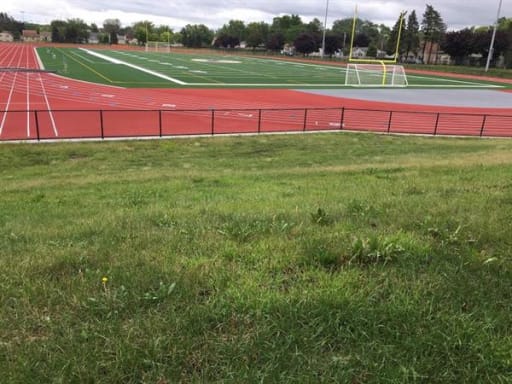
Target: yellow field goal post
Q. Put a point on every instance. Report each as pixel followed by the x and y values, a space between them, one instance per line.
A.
pixel 365 72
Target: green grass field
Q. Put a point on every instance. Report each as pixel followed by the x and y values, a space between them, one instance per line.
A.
pixel 342 258
pixel 141 69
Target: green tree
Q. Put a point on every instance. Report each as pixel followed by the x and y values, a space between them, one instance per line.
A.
pixel 412 35
pixel 196 36
pixel 505 26
pixel 8 23
pixel 275 41
pixel 366 32
pixel 257 34
pixel 482 43
pixel 433 28
pixel 384 34
pixel 235 30
pixel 361 40
pixel 112 28
pixel 459 44
pixel 128 32
pixel 393 37
pixel 223 40
pixel 333 42
pixel 164 33
pixel 58 29
pixel 305 43
pixel 77 31
pixel 283 23
pixel 143 31
pixel 372 50
pixel 289 26
pixel 315 26
pixel 343 28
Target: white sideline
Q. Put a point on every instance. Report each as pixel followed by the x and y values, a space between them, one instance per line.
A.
pixel 116 61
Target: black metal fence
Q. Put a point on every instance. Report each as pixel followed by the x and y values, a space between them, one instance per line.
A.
pixel 40 125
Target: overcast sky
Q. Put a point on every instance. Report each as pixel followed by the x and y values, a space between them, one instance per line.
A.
pixel 457 14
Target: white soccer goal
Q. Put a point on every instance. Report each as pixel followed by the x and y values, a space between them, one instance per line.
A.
pixel 158 46
pixel 375 75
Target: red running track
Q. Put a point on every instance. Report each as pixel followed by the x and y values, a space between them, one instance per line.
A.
pixel 42 105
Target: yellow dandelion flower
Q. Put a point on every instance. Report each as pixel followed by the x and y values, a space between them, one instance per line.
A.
pixel 104 279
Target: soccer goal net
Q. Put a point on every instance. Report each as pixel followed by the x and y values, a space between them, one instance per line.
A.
pixel 375 75
pixel 158 46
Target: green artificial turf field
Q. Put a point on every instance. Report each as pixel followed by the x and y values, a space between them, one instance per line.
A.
pixel 131 68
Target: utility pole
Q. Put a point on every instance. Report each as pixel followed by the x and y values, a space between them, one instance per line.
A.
pixel 491 48
pixel 325 27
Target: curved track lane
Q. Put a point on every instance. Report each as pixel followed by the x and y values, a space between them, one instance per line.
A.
pixel 60 107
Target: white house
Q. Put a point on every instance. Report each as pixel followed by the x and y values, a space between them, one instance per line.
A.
pixel 94 38
pixel 6 36
pixel 121 39
pixel 359 52
pixel 30 35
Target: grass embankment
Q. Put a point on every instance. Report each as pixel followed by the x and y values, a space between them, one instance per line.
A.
pixel 308 258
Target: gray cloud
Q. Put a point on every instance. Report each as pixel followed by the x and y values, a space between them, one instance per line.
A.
pixel 214 13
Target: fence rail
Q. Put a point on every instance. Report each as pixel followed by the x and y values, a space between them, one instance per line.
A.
pixel 40 125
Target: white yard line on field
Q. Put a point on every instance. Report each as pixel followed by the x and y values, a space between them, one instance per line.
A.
pixel 117 61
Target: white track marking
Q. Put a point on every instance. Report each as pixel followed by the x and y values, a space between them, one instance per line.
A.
pixel 28 95
pixel 45 95
pixel 39 61
pixel 28 104
pixel 11 91
pixel 4 117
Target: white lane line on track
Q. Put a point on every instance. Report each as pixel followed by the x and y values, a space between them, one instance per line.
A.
pixel 6 109
pixel 28 105
pixel 11 91
pixel 28 94
pixel 48 107
pixel 45 95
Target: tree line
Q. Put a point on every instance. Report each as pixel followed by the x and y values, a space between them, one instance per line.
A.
pixel 421 39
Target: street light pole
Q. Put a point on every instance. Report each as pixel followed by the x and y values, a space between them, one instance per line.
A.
pixel 325 27
pixel 491 48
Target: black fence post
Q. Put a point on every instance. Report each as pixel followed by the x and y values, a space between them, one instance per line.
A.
pixel 484 120
pixel 342 121
pixel 37 126
pixel 437 124
pixel 389 121
pixel 160 122
pixel 305 119
pixel 213 122
pixel 101 125
pixel 259 121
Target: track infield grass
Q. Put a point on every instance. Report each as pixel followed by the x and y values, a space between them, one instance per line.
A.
pixel 131 68
pixel 343 258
